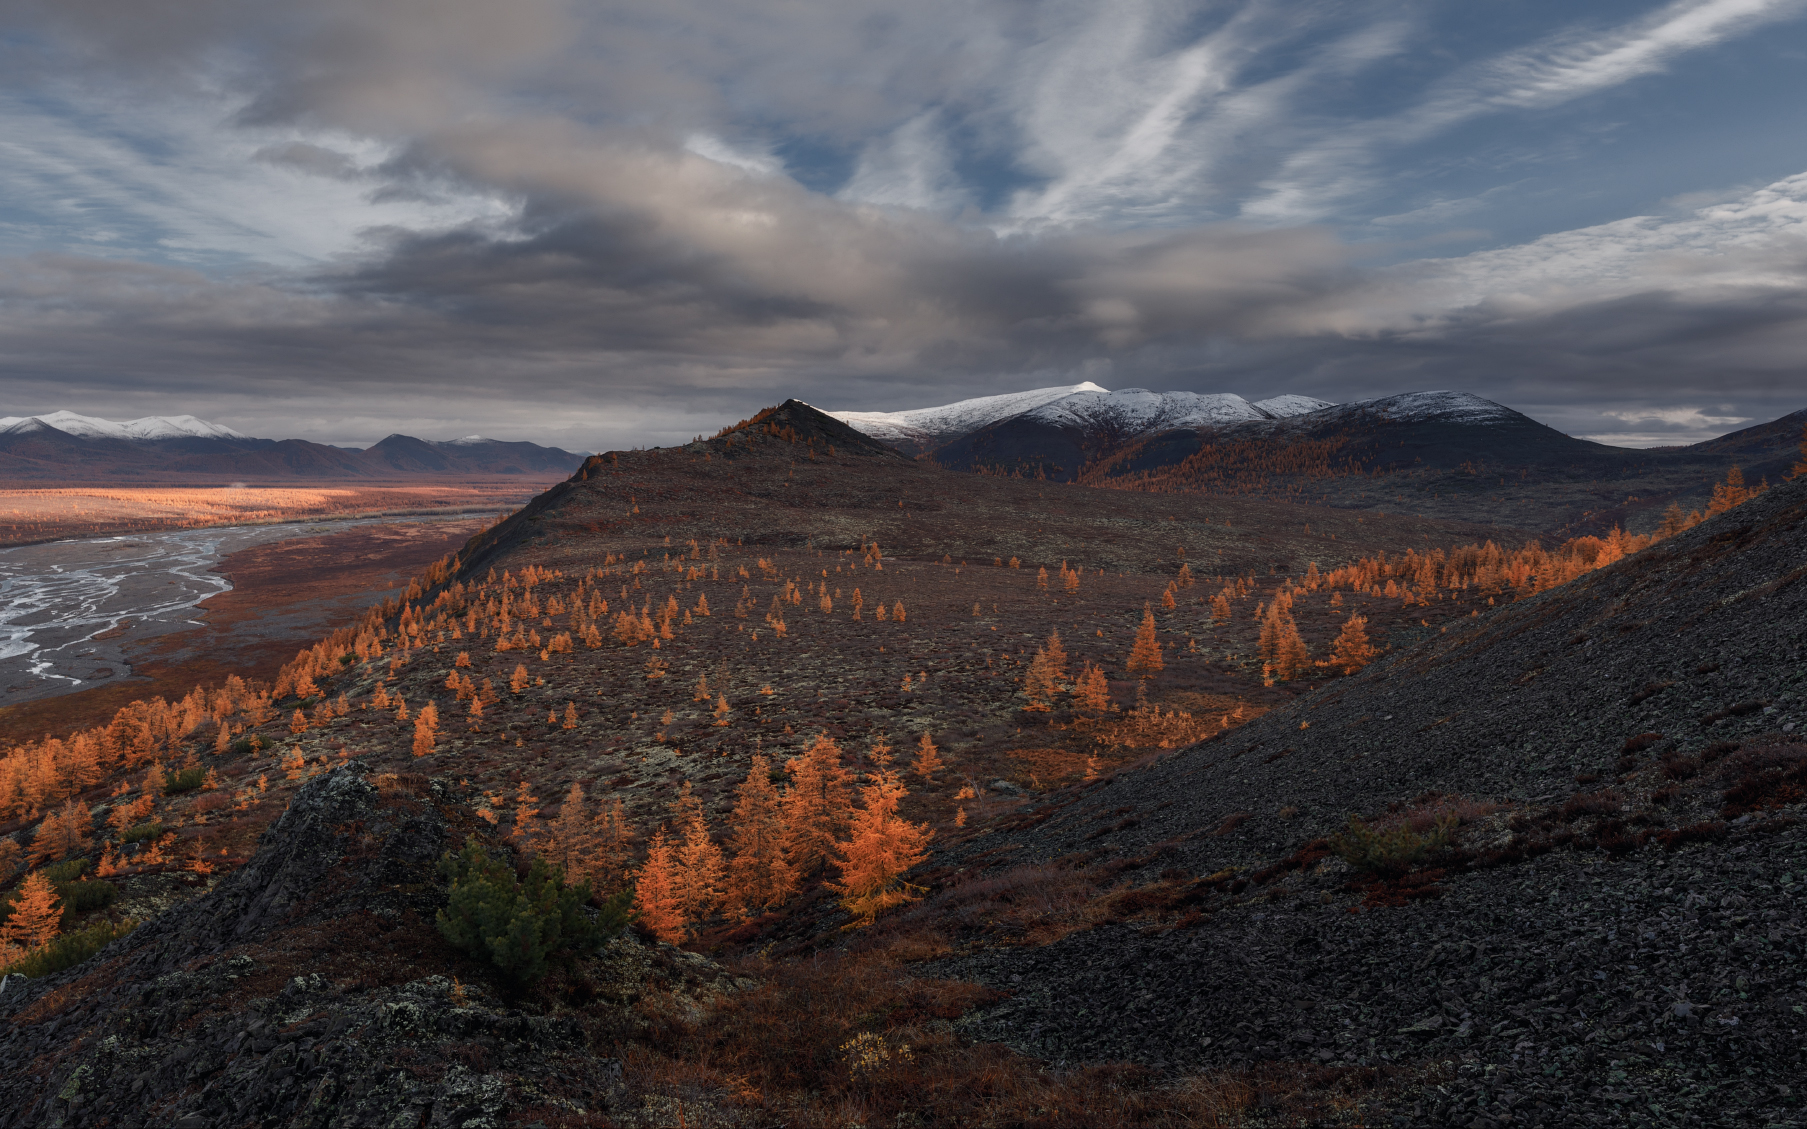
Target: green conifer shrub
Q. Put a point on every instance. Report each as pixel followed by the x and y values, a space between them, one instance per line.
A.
pixel 518 926
pixel 183 780
pixel 1390 854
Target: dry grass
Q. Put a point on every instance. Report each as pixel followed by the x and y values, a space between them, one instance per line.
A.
pixel 856 1039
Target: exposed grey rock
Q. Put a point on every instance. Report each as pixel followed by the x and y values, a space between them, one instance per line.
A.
pixel 309 989
pixel 1594 979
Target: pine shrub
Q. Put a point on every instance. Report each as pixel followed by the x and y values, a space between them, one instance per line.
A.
pixel 141 831
pixel 79 895
pixel 183 780
pixel 520 926
pixel 70 949
pixel 1390 854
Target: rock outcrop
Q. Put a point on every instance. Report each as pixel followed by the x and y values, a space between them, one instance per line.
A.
pixel 309 988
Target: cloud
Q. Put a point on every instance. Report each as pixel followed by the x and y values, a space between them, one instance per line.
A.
pixel 1665 426
pixel 1318 178
pixel 632 219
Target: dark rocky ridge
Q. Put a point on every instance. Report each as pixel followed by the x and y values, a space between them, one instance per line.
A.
pixel 310 988
pixel 1581 973
pixel 45 453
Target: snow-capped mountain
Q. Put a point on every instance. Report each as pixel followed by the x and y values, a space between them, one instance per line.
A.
pixel 1428 407
pixel 924 427
pixel 147 427
pixel 1126 412
pixel 1284 406
pixel 1130 412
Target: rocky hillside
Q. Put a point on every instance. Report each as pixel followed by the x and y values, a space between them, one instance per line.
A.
pixel 311 988
pixel 1613 931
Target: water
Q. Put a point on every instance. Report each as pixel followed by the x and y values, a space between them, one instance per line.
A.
pixel 68 608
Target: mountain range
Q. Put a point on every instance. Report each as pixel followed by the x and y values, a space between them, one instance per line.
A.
pixel 1105 417
pixel 64 445
pixel 1444 454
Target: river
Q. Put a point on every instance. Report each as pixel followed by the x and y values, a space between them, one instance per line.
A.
pixel 68 608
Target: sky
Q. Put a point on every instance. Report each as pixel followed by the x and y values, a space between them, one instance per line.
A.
pixel 625 222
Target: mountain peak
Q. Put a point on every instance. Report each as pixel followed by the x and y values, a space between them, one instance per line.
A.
pixel 145 427
pixel 918 428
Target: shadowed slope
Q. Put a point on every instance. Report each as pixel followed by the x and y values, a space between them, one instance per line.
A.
pixel 1562 938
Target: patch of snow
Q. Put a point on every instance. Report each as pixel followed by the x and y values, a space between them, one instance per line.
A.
pixel 1439 407
pixel 148 427
pixel 1137 411
pixel 177 427
pixel 467 441
pixel 949 421
pixel 1281 407
pixel 22 425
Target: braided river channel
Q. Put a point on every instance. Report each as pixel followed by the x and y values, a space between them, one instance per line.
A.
pixel 68 608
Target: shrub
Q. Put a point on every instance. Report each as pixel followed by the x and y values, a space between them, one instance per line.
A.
pixel 141 831
pixel 79 897
pixel 1390 853
pixel 183 780
pixel 1680 768
pixel 249 743
pixel 76 894
pixel 1604 802
pixel 517 926
pixel 1693 833
pixel 63 873
pixel 70 949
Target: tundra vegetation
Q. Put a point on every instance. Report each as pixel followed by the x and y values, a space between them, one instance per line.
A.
pixel 749 696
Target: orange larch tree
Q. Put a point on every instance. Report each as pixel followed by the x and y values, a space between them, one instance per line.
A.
pixel 759 877
pixel 815 804
pixel 1290 654
pixel 36 915
pixel 1351 651
pixel 1145 655
pixel 64 832
pixel 656 893
pixel 570 840
pixel 699 877
pixel 1092 693
pixel 1038 683
pixel 928 758
pixel 1057 658
pixel 426 729
pixel 879 849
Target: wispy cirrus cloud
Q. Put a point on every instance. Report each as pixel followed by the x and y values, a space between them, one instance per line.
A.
pixel 1319 179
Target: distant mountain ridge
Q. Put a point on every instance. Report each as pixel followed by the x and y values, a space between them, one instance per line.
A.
pixel 147 427
pixel 1126 412
pixel 1439 453
pixel 64 445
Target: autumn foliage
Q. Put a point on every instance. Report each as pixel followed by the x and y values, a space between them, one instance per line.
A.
pixel 1145 653
pixel 34 921
pixel 879 849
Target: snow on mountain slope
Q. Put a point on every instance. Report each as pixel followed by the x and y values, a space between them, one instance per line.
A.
pixel 1425 407
pixel 147 427
pixel 1280 407
pixel 1137 411
pixel 927 426
pixel 1124 414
